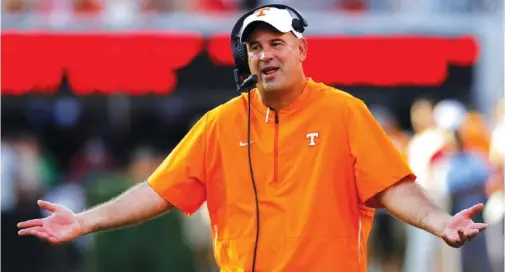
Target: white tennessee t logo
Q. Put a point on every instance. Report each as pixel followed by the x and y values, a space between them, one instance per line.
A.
pixel 312 136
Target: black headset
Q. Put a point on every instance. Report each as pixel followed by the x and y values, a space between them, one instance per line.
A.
pixel 239 48
pixel 245 83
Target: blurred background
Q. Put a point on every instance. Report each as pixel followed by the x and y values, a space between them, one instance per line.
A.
pixel 95 94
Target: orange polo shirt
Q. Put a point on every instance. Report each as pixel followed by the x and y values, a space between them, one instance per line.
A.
pixel 316 163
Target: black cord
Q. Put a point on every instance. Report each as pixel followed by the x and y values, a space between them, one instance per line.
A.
pixel 252 179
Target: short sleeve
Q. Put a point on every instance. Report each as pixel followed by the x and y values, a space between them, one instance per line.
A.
pixel 378 164
pixel 180 179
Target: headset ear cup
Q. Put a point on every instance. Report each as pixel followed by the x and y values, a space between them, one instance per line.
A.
pixel 297 25
pixel 241 59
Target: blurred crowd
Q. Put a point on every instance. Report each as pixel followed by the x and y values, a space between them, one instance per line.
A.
pixel 98 6
pixel 458 156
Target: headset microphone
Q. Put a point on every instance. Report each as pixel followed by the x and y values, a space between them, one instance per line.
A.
pixel 248 83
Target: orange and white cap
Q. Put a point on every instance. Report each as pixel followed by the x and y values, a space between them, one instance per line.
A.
pixel 280 19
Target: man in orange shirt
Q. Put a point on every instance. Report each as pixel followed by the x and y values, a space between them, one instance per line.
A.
pixel 319 162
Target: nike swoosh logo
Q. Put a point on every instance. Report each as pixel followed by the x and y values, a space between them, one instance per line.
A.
pixel 245 143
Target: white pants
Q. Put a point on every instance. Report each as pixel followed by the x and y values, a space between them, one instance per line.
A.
pixel 428 253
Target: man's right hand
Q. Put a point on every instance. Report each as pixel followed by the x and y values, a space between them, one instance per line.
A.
pixel 60 227
pixel 138 204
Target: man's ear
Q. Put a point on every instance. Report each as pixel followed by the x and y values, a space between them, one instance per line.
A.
pixel 302 49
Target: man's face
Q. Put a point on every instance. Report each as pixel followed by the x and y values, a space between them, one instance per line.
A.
pixel 275 57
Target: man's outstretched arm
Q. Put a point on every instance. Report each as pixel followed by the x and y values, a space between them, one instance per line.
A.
pixel 409 202
pixel 136 205
pixel 179 178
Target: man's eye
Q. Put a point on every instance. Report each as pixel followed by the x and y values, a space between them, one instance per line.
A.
pixel 255 48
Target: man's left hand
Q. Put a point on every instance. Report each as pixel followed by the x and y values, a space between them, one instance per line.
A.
pixel 461 228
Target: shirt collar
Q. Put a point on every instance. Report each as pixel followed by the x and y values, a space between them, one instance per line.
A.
pixel 301 101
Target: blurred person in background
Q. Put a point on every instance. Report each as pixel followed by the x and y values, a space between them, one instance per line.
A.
pixel 467 174
pixel 90 7
pixel 39 169
pixel 424 143
pixel 319 203
pixel 18 6
pixel 352 5
pixel 494 212
pixel 27 170
pixel 475 134
pixel 162 6
pixel 92 160
pixel 497 148
pixel 389 122
pixel 465 146
pixel 429 121
pixel 142 248
pixel 215 6
pixel 10 167
pixel 426 139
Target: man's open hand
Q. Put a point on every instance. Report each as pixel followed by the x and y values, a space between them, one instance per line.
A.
pixel 461 228
pixel 61 226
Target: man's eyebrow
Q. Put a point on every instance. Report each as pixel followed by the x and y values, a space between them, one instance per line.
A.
pixel 277 40
pixel 254 42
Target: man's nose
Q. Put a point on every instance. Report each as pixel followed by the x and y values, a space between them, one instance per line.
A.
pixel 266 54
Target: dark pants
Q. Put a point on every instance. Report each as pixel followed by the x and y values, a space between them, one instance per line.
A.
pixel 474 255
